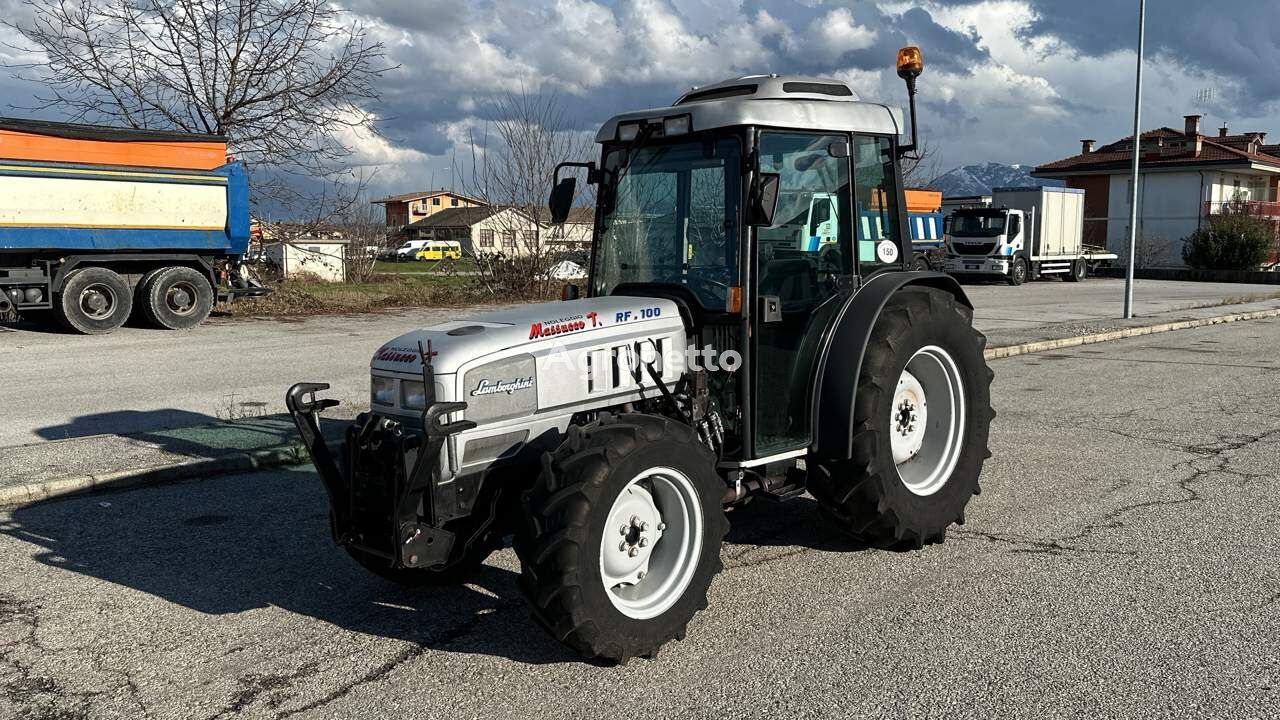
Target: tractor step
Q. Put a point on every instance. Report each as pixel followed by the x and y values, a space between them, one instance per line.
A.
pixel 781 494
pixel 784 487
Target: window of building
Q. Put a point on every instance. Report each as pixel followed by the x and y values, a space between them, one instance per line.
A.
pixel 435 201
pixel 453 202
pixel 486 237
pixel 508 238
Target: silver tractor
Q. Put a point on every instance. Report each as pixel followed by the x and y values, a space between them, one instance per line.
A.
pixel 731 343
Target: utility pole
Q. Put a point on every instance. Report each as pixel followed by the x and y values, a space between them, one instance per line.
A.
pixel 1137 149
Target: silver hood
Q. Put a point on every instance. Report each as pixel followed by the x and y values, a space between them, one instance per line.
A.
pixel 459 341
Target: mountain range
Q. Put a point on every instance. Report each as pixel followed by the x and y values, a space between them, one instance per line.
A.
pixel 980 179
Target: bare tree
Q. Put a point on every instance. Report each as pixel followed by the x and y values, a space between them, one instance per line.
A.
pixel 922 166
pixel 339 209
pixel 279 78
pixel 511 166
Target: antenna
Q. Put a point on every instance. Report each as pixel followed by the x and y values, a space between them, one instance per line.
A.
pixel 1205 100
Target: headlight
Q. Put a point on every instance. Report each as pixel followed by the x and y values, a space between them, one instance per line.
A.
pixel 628 131
pixel 384 391
pixel 412 395
pixel 678 125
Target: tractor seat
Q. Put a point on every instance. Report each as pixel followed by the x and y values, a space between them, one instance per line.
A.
pixel 794 281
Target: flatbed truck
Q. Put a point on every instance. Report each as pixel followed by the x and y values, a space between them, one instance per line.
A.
pixel 1027 232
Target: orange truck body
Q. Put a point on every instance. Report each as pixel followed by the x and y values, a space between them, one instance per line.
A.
pixel 923 201
pixel 38 141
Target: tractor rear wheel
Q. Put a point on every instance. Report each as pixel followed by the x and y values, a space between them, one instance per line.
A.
pixel 622 537
pixel 923 412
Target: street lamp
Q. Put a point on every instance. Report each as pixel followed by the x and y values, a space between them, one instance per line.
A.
pixel 1137 147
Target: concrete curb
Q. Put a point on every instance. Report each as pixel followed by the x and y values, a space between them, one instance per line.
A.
pixel 263 458
pixel 296 454
pixel 1044 345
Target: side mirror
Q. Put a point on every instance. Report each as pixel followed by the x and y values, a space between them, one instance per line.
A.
pixel 764 200
pixel 561 200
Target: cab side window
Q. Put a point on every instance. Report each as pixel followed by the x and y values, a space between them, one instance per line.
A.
pixel 1015 225
pixel 811 222
pixel 875 199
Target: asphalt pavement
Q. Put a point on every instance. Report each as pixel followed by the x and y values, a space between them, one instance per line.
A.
pixel 57 386
pixel 1119 563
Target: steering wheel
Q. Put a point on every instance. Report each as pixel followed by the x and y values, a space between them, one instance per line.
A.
pixel 707 287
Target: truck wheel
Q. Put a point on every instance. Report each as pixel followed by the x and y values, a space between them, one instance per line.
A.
pixel 1017 273
pixel 923 410
pixel 93 301
pixel 176 298
pixel 622 537
pixel 1079 271
pixel 920 263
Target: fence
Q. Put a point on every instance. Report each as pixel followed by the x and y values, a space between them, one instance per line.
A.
pixel 1160 237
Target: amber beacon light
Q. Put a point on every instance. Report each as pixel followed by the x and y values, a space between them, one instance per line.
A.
pixel 910 63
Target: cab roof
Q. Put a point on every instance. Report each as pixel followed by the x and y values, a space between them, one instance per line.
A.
pixel 783 101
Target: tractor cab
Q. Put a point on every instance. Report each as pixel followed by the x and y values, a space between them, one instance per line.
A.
pixel 759 203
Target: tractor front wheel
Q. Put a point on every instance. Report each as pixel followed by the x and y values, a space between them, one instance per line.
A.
pixel 623 536
pixel 923 412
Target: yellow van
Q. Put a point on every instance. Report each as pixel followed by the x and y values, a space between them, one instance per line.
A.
pixel 440 250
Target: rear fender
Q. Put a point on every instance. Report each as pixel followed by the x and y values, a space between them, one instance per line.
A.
pixel 845 345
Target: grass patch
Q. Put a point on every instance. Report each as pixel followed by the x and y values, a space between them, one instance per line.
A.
pixel 465 265
pixel 297 298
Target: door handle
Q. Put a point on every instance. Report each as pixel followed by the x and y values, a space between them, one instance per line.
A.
pixel 770 309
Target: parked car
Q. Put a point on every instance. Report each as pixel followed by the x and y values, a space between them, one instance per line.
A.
pixel 407 251
pixel 440 250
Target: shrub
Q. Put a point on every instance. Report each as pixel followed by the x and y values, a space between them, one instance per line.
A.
pixel 1234 240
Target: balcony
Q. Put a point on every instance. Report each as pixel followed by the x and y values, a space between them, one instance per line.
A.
pixel 1252 207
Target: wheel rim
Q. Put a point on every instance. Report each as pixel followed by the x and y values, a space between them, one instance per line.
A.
pixel 651 543
pixel 98 301
pixel 180 298
pixel 927 420
pixel 1019 272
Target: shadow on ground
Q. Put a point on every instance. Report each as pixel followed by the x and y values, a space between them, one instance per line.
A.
pixel 239 543
pixel 241 424
pixel 124 422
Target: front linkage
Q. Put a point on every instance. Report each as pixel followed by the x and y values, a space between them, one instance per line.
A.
pixel 388 479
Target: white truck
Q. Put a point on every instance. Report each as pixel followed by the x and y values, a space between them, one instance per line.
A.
pixel 1025 233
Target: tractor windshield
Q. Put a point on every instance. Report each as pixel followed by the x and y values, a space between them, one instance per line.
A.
pixel 669 214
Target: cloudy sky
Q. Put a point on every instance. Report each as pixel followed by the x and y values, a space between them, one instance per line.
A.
pixel 1012 81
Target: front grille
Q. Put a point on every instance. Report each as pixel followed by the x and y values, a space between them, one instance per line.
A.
pixel 973 247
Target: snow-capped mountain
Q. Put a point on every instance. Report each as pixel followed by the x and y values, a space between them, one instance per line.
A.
pixel 979 179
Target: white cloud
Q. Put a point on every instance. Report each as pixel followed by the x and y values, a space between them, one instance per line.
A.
pixel 834 34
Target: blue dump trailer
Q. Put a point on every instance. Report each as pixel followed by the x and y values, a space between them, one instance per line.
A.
pixel 100 224
pixel 926 230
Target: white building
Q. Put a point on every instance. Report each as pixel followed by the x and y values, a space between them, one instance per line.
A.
pixel 508 230
pixel 1184 177
pixel 325 258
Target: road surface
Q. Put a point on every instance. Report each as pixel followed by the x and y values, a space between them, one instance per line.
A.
pixel 1121 562
pixel 57 386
